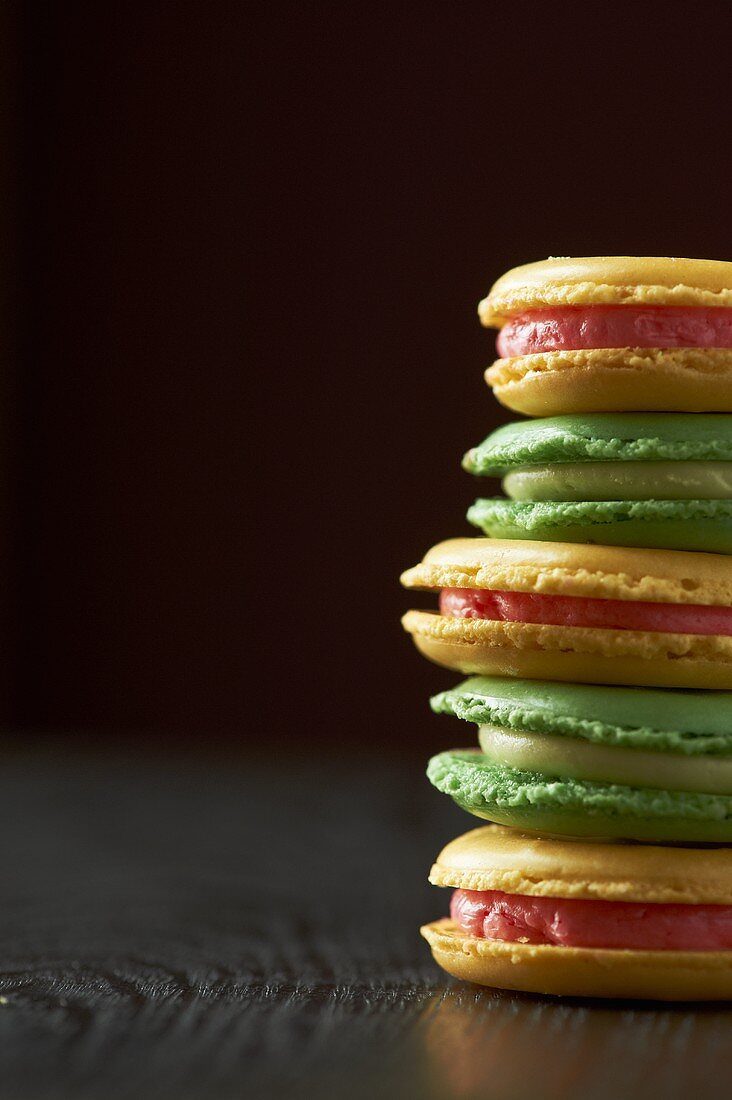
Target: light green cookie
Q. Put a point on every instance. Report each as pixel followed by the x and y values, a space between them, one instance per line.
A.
pixel 591 760
pixel 618 479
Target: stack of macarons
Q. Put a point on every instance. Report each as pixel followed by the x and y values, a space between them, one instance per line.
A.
pixel 593 618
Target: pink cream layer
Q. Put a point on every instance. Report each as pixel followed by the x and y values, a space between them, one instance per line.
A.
pixel 529 607
pixel 573 922
pixel 570 328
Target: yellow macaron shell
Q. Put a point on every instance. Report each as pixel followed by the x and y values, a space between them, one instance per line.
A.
pixel 551 970
pixel 585 654
pixel 615 380
pixel 608 280
pixel 575 569
pixel 495 858
pixel 589 655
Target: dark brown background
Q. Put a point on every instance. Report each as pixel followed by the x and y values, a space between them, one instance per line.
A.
pixel 247 243
pixel 244 247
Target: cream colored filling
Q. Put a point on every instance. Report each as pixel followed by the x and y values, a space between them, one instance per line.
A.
pixel 621 481
pixel 571 757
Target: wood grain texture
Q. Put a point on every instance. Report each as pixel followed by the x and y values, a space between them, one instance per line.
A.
pixel 177 927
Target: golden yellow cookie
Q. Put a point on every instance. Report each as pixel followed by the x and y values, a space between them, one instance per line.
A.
pixel 495 858
pixel 610 379
pixel 608 280
pixel 574 653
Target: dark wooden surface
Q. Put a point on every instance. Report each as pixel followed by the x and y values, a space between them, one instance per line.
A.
pixel 183 926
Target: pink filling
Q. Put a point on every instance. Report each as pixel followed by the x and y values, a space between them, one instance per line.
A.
pixel 569 328
pixel 572 922
pixel 529 607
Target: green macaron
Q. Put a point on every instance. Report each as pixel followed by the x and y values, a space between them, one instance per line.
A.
pixel 587 760
pixel 627 479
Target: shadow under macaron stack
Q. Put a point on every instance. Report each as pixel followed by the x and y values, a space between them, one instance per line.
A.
pixel 595 624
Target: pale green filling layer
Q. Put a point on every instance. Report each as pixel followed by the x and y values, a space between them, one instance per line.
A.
pixel 571 758
pixel 621 481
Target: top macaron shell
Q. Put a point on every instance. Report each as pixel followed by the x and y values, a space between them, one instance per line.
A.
pixel 565 569
pixel 517 862
pixel 604 437
pixel 687 723
pixel 662 379
pixel 608 280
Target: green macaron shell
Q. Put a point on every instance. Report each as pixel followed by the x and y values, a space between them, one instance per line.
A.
pixel 573 807
pixel 691 723
pixel 704 525
pixel 604 437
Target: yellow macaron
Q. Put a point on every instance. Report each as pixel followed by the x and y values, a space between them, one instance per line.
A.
pixel 652 370
pixel 494 858
pixel 585 653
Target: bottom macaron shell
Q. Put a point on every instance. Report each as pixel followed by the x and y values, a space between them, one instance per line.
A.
pixel 615 380
pixel 580 971
pixel 704 525
pixel 573 654
pixel 577 807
